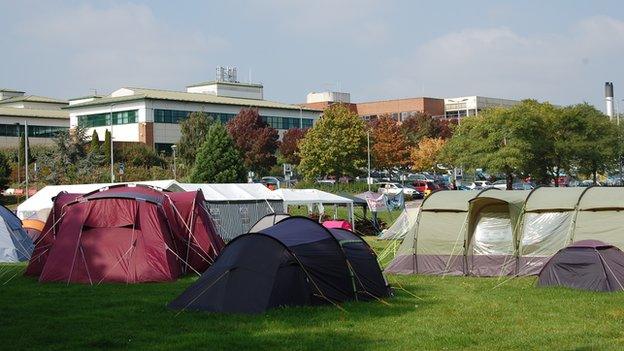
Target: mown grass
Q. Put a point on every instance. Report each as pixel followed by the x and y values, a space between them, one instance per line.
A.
pixel 426 313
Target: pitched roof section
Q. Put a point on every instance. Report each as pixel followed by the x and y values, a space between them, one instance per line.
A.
pixel 10 91
pixel 31 112
pixel 33 98
pixel 156 94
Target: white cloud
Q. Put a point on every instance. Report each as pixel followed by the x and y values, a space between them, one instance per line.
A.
pixel 350 21
pixel 502 63
pixel 123 44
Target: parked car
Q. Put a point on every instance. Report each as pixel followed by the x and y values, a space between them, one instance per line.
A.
pixel 500 184
pixel 329 181
pixel 522 186
pixel 480 184
pixel 395 188
pixel 425 186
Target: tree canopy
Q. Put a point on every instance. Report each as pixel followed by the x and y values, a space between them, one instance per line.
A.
pixel 335 146
pixel 426 155
pixel 424 126
pixel 193 132
pixel 218 160
pixel 390 146
pixel 289 147
pixel 255 138
pixel 536 140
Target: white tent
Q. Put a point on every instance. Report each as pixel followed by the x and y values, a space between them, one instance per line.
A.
pixel 39 205
pixel 405 223
pixel 236 207
pixel 313 197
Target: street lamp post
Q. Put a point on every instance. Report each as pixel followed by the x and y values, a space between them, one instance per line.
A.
pixel 368 180
pixel 112 161
pixel 173 148
pixel 26 155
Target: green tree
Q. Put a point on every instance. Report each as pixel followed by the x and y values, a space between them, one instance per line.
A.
pixel 106 147
pixel 335 146
pixel 22 150
pixel 95 142
pixel 597 145
pixel 218 160
pixel 501 140
pixel 5 172
pixel 193 134
pixel 140 155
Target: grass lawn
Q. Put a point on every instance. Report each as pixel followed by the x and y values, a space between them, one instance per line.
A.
pixel 426 313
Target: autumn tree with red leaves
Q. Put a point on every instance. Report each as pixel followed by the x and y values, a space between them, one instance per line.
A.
pixel 255 138
pixel 390 146
pixel 289 147
pixel 424 126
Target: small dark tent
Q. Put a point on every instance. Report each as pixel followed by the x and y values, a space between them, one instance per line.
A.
pixel 588 265
pixel 295 262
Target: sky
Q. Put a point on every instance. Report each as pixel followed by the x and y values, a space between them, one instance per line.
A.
pixel 560 51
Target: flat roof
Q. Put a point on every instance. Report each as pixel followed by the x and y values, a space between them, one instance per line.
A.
pixel 158 94
pixel 86 97
pixel 212 82
pixel 31 112
pixel 401 99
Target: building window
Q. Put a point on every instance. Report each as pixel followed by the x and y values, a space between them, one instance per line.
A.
pixel 34 131
pixel 175 117
pixel 103 119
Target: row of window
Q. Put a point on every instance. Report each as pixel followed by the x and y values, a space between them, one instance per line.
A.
pixel 103 119
pixel 13 130
pixel 176 116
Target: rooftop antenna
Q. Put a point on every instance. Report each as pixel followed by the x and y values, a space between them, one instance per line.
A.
pixel 249 75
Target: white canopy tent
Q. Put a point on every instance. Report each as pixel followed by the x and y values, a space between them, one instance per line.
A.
pixel 236 207
pixel 39 205
pixel 313 197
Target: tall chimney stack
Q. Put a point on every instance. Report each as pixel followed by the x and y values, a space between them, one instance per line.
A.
pixel 609 99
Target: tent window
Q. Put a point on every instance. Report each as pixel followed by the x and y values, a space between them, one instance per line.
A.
pixel 244 214
pixel 216 215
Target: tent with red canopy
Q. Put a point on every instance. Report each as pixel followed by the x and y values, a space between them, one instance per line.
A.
pixel 126 234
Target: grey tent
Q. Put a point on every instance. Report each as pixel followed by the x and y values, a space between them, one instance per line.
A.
pixel 267 221
pixel 235 207
pixel 588 265
pixel 15 244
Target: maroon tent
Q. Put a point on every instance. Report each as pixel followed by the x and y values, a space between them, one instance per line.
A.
pixel 125 234
pixel 588 265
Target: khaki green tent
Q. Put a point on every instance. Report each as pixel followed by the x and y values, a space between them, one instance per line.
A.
pixel 436 244
pixel 493 219
pixel 600 216
pixel 546 227
pixel 496 232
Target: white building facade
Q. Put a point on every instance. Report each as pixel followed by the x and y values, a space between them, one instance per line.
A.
pixel 471 105
pixel 44 117
pixel 153 117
